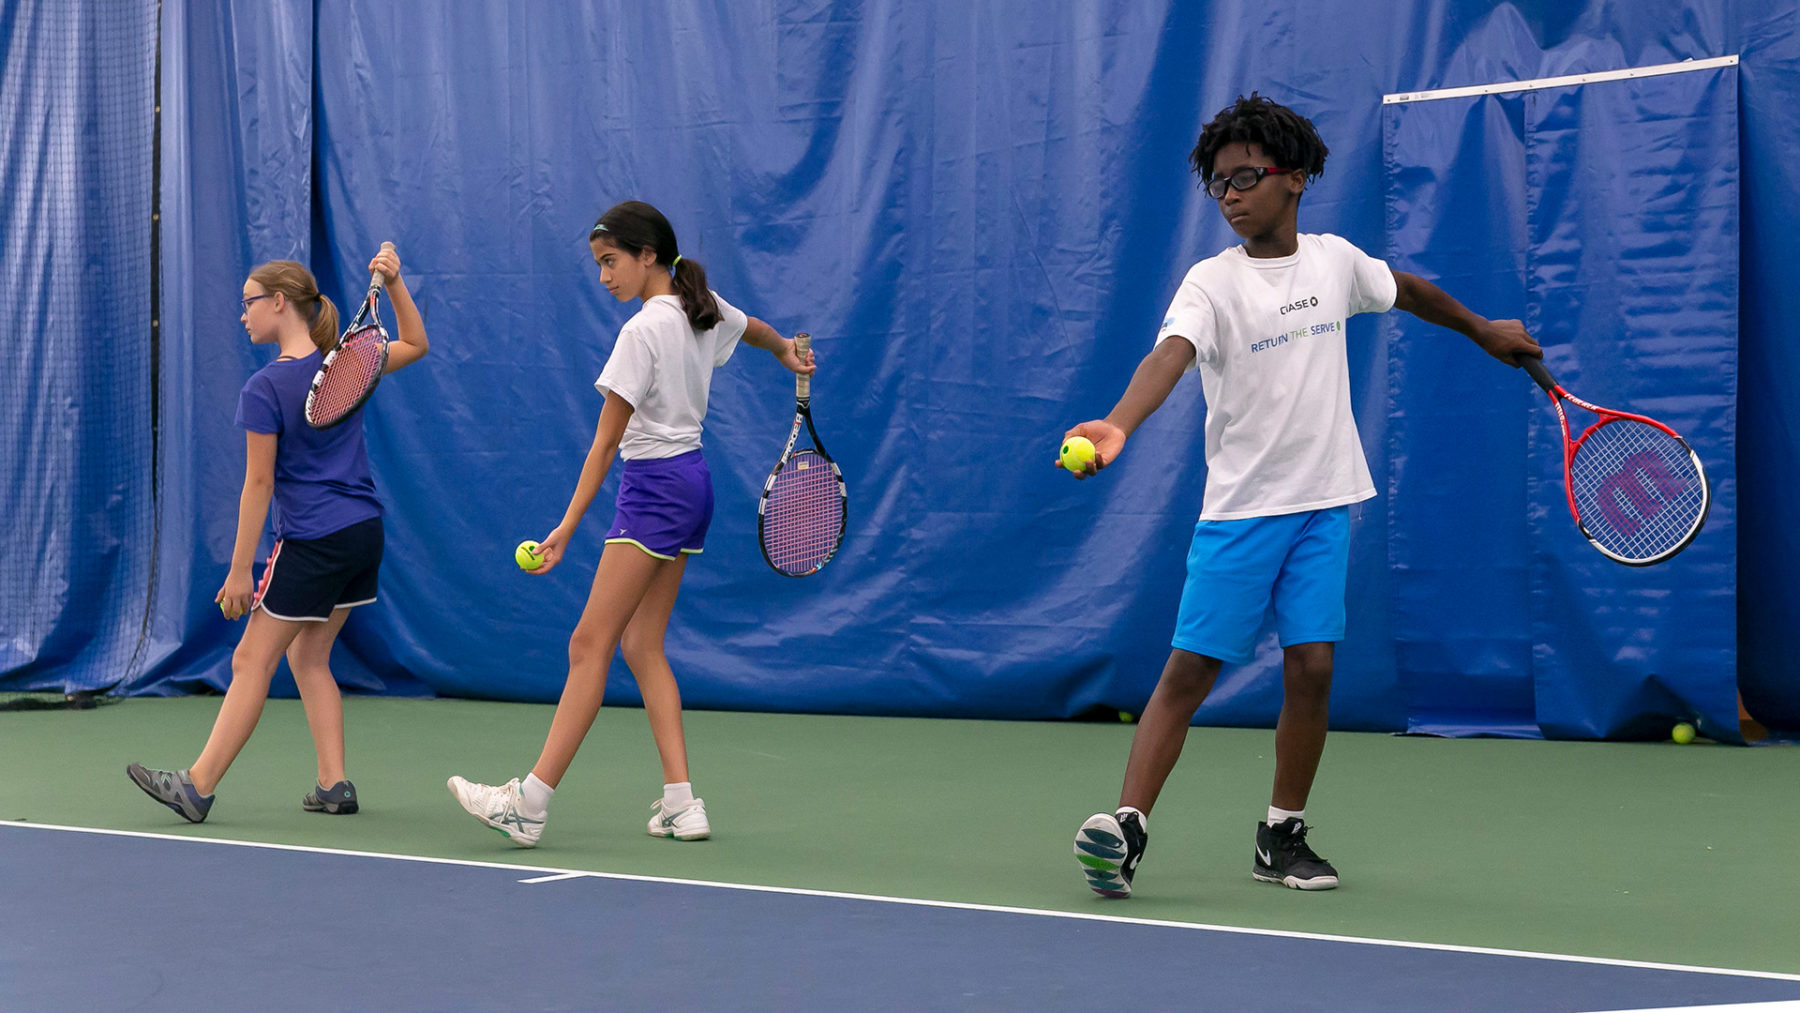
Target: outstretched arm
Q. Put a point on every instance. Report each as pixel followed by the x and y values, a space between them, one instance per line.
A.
pixel 761 335
pixel 1505 340
pixel 1156 376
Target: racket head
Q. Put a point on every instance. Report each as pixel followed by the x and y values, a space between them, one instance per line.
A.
pixel 800 521
pixel 348 376
pixel 1639 491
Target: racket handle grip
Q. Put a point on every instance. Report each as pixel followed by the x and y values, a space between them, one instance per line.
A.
pixel 1535 367
pixel 802 383
pixel 375 281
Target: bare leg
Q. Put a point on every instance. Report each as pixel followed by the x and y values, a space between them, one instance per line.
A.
pixel 1305 716
pixel 643 649
pixel 309 658
pixel 623 576
pixel 252 666
pixel 1162 730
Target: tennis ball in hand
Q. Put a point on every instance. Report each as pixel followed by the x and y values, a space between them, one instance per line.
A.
pixel 1683 733
pixel 527 556
pixel 1077 451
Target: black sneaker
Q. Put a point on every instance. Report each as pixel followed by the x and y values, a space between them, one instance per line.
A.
pixel 1282 856
pixel 1109 848
pixel 339 799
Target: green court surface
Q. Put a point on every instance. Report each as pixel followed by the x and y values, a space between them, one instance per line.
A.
pixel 1649 852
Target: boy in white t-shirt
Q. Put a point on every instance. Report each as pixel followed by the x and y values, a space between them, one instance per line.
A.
pixel 1263 324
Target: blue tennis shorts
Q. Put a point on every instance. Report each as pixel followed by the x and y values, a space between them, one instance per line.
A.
pixel 307 579
pixel 665 505
pixel 1298 563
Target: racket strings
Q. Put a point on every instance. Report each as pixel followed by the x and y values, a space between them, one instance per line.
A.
pixel 1637 488
pixel 355 367
pixel 804 515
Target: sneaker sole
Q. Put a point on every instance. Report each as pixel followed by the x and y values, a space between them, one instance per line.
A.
pixel 1294 882
pixel 335 809
pixel 1100 848
pixel 701 836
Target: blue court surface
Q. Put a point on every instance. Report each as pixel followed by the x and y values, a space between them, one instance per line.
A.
pixel 110 920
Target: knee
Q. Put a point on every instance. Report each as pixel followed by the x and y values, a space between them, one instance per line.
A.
pixel 248 664
pixel 1309 684
pixel 588 647
pixel 640 652
pixel 1189 677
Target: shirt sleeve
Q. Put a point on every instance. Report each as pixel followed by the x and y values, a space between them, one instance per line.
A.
pixel 728 332
pixel 1191 316
pixel 257 409
pixel 1372 285
pixel 631 369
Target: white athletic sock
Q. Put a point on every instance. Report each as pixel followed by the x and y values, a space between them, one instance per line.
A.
pixel 1143 821
pixel 534 797
pixel 677 796
pixel 1277 815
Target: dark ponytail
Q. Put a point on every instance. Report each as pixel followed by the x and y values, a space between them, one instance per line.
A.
pixel 634 226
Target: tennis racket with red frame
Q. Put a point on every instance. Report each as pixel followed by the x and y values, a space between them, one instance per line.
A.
pixel 1636 489
pixel 353 366
pixel 800 519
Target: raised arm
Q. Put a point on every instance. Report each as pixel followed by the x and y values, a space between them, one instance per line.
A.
pixel 1505 340
pixel 410 344
pixel 1150 385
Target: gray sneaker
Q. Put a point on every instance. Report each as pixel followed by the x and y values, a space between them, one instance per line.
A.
pixel 172 788
pixel 339 799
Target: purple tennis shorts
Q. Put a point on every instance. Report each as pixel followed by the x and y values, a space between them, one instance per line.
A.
pixel 665 505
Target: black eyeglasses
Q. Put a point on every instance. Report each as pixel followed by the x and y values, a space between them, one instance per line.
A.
pixel 247 302
pixel 1243 179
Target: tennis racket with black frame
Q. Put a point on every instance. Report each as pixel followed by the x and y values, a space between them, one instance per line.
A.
pixel 1636 489
pixel 800 519
pixel 353 366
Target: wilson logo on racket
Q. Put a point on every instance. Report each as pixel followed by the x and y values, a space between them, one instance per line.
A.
pixel 353 366
pixel 804 507
pixel 1636 489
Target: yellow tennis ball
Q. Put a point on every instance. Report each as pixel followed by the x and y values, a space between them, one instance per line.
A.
pixel 1683 733
pixel 527 556
pixel 1077 451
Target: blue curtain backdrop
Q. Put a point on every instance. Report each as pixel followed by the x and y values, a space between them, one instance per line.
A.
pixel 1629 268
pixel 980 210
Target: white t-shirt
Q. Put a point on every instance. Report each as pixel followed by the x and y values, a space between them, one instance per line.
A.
pixel 1268 337
pixel 664 368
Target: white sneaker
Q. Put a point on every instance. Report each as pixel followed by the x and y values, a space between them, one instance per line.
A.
pixel 685 824
pixel 498 806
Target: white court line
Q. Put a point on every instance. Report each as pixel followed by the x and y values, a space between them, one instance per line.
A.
pixel 556 873
pixel 557 878
pixel 1784 1006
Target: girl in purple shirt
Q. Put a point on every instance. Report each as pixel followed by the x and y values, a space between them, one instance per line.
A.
pixel 328 535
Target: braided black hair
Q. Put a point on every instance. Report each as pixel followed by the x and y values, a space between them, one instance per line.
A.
pixel 1287 137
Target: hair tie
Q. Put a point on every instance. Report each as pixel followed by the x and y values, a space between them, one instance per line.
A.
pixel 674 262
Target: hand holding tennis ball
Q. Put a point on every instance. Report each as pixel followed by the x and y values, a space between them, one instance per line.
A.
pixel 1077 452
pixel 538 558
pixel 528 555
pixel 1089 447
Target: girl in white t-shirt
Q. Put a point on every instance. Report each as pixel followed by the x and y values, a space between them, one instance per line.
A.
pixel 655 383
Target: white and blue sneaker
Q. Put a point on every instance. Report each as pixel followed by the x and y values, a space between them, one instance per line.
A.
pixel 685 824
pixel 1109 847
pixel 499 807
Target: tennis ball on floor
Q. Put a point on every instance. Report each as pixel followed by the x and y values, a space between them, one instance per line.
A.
pixel 527 556
pixel 1077 451
pixel 1683 733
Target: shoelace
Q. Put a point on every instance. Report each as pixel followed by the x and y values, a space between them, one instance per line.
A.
pixel 1297 846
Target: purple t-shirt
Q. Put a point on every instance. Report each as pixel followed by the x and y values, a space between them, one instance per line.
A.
pixel 322 478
